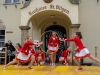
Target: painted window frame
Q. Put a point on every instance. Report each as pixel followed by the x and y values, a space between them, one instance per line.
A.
pixel 12 2
pixel 4 40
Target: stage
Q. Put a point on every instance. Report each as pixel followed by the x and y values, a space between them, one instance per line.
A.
pixel 48 70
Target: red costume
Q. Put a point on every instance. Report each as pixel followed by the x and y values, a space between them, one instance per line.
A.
pixel 18 50
pixel 26 52
pixel 81 51
pixel 27 47
pixel 78 43
pixel 40 54
pixel 64 55
pixel 53 43
pixel 32 51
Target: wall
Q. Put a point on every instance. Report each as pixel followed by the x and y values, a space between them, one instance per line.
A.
pixel 89 18
pixel 12 19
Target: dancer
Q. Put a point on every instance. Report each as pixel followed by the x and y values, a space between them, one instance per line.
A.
pixel 18 50
pixel 53 47
pixel 81 51
pixel 40 57
pixel 64 56
pixel 25 55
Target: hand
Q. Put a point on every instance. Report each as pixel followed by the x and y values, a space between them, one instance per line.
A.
pixel 41 42
pixel 61 39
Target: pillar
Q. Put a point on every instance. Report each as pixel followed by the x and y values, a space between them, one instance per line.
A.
pixel 24 33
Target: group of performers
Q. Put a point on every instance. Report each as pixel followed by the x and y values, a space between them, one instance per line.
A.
pixel 28 54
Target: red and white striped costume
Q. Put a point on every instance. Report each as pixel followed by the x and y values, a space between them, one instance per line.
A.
pixel 64 55
pixel 26 53
pixel 53 44
pixel 82 51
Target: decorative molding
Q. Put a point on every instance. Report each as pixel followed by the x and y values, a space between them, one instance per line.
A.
pixel 2 24
pixel 24 27
pixel 75 25
pixel 9 31
pixel 47 1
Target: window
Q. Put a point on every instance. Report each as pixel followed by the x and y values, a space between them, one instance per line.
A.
pixel 2 38
pixel 11 1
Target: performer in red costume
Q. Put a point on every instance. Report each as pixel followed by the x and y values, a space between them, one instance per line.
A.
pixel 64 56
pixel 53 45
pixel 81 51
pixel 25 55
pixel 18 50
pixel 40 57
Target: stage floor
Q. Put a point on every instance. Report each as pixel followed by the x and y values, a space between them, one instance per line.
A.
pixel 48 70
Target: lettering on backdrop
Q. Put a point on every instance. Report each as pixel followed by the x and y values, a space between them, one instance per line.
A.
pixel 56 7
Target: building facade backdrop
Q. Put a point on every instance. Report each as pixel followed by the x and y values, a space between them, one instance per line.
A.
pixel 20 18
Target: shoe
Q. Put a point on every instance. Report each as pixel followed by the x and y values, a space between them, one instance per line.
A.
pixel 79 69
pixel 4 67
pixel 50 64
pixel 31 68
pixel 54 64
pixel 66 64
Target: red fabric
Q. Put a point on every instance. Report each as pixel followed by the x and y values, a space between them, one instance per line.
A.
pixel 65 54
pixel 18 50
pixel 37 54
pixel 53 41
pixel 27 47
pixel 32 51
pixel 78 43
pixel 81 57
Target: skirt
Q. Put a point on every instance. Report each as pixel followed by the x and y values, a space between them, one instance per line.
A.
pixel 82 53
pixel 61 59
pixel 23 58
pixel 52 49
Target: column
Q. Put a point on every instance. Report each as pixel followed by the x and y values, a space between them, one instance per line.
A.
pixel 24 33
pixel 75 28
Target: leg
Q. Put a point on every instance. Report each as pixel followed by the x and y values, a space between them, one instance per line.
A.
pixel 76 61
pixel 39 59
pixel 54 59
pixel 51 58
pixel 32 60
pixel 11 63
pixel 68 59
pixel 94 59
